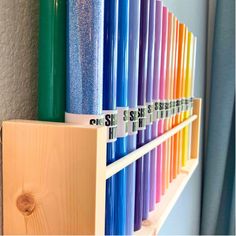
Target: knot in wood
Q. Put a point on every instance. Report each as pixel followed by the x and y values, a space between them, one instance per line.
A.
pixel 25 204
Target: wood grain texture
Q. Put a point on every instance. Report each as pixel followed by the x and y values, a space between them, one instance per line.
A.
pixel 53 178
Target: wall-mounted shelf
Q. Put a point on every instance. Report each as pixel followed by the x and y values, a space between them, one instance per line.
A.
pixel 54 177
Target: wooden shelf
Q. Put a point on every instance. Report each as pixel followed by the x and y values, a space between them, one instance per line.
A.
pixel 157 217
pixel 54 177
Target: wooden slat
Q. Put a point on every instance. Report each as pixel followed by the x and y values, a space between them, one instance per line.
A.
pixel 196 126
pixel 135 155
pixel 53 178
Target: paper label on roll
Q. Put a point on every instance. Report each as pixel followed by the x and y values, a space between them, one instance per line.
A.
pixel 162 109
pixel 142 117
pixel 150 109
pixel 111 124
pixel 84 119
pixel 123 121
pixel 133 121
pixel 156 112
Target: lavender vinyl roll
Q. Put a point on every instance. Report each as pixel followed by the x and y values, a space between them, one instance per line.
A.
pixel 85 21
pixel 156 80
pixel 143 58
pixel 148 131
pixel 134 26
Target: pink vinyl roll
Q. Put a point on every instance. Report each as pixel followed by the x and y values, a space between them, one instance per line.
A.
pixel 160 158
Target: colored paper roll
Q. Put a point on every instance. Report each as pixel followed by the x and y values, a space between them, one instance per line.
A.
pixel 162 92
pixel 134 27
pixel 187 95
pixel 109 97
pixel 172 154
pixel 179 82
pixel 85 25
pixel 122 101
pixel 143 58
pixel 52 60
pixel 149 100
pixel 175 140
pixel 155 158
pixel 167 124
pixel 183 95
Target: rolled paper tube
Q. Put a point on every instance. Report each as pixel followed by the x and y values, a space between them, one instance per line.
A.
pixel 85 25
pixel 149 100
pixel 162 90
pixel 180 58
pixel 192 90
pixel 109 98
pixel 122 103
pixel 187 95
pixel 52 60
pixel 134 27
pixel 174 119
pixel 172 96
pixel 167 145
pixel 155 159
pixel 183 144
pixel 143 58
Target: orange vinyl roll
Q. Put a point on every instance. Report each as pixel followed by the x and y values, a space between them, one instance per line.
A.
pixel 187 95
pixel 175 138
pixel 172 96
pixel 180 61
pixel 183 94
pixel 166 146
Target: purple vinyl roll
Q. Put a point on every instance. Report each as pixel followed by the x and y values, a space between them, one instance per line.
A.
pixel 148 131
pixel 156 80
pixel 143 59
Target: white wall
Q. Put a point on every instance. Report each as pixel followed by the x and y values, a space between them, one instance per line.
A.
pixel 185 217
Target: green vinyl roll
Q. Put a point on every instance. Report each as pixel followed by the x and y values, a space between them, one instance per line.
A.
pixel 52 60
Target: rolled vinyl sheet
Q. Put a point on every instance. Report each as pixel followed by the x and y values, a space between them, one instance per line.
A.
pixel 134 27
pixel 109 98
pixel 149 99
pixel 167 145
pixel 162 90
pixel 183 143
pixel 122 101
pixel 192 89
pixel 155 158
pixel 143 58
pixel 174 119
pixel 52 60
pixel 172 96
pixel 187 94
pixel 85 22
pixel 179 82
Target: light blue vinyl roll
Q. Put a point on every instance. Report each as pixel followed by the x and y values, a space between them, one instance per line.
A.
pixel 122 101
pixel 85 24
pixel 134 32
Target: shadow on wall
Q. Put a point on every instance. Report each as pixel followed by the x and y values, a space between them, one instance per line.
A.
pixel 18 61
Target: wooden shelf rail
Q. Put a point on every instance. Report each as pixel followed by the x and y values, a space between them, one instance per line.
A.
pixel 54 177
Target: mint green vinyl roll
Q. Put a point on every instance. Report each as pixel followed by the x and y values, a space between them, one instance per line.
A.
pixel 52 60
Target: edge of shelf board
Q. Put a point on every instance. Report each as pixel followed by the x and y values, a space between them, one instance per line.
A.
pixel 157 217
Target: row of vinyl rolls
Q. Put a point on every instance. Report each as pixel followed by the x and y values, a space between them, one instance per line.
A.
pixel 118 57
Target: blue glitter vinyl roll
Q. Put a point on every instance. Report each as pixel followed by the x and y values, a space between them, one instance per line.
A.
pixel 109 97
pixel 85 22
pixel 134 32
pixel 122 101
